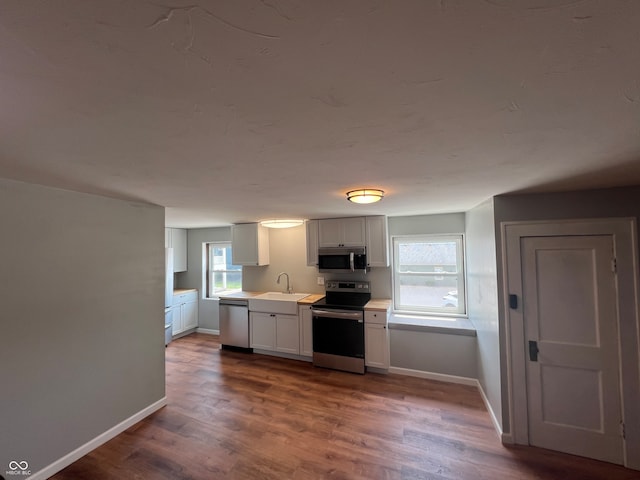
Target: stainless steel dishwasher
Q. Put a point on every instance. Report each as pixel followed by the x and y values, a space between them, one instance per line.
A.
pixel 234 323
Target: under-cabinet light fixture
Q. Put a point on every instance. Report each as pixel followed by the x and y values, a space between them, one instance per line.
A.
pixel 365 195
pixel 287 223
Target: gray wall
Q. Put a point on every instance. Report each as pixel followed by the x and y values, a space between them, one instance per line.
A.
pixel 287 253
pixel 423 350
pixel 602 203
pixel 82 344
pixel 427 224
pixel 433 352
pixel 482 300
pixel 416 350
pixel 196 272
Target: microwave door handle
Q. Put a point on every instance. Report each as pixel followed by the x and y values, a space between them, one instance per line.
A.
pixel 351 262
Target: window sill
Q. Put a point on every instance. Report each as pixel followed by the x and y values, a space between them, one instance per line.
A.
pixel 224 293
pixel 417 323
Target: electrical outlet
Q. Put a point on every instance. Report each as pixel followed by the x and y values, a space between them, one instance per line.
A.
pixel 320 280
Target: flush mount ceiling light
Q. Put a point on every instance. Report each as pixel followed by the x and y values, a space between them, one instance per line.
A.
pixel 287 223
pixel 365 195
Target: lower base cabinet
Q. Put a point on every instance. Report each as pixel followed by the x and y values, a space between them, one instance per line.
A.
pixel 185 312
pixel 262 330
pixel 274 332
pixel 306 330
pixel 376 340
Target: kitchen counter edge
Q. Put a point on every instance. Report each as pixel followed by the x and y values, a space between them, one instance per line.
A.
pixel 379 305
pixel 180 291
pixel 308 300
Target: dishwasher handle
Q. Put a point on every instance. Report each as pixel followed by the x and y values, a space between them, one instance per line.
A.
pixel 234 303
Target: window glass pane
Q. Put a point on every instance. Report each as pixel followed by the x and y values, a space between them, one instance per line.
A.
pixel 226 281
pixel 428 257
pixel 428 274
pixel 220 259
pixel 428 291
pixel 222 275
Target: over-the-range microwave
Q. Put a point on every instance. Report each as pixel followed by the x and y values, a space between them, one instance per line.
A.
pixel 342 259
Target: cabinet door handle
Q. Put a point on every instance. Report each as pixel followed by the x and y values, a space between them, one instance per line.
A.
pixel 533 350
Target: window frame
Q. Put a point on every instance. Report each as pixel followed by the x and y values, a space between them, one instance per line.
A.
pixel 461 310
pixel 209 271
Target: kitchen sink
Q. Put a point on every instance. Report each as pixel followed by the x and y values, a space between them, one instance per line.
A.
pixel 276 302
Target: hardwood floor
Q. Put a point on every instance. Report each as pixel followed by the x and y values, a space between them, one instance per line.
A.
pixel 240 416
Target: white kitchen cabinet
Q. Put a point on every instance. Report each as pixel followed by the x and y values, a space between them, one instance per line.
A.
pixel 306 330
pixel 376 339
pixel 274 332
pixel 176 326
pixel 312 242
pixel 250 244
pixel 189 314
pixel 185 312
pixel 342 232
pixel 377 241
pixel 176 238
pixel 288 334
pixel 262 330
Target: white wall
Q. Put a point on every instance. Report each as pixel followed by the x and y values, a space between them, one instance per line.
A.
pixel 82 342
pixel 482 300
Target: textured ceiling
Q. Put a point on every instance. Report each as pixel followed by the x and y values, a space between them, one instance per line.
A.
pixel 239 110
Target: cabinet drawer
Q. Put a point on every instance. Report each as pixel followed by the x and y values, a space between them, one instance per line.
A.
pixel 185 298
pixel 375 316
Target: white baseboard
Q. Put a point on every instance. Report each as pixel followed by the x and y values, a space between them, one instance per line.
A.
pixel 81 451
pixel 441 377
pixel 507 439
pixel 494 419
pixel 208 331
pixel 504 437
pixel 290 356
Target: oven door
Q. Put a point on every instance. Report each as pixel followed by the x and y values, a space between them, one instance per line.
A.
pixel 338 339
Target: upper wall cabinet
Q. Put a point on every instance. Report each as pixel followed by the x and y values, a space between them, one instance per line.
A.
pixel 342 232
pixel 176 238
pixel 312 242
pixel 377 241
pixel 356 231
pixel 250 244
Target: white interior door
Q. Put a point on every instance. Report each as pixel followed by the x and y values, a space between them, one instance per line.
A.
pixel 570 325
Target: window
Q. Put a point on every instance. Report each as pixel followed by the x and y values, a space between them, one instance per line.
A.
pixel 222 276
pixel 428 274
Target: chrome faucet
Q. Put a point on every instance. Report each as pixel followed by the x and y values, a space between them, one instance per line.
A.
pixel 289 289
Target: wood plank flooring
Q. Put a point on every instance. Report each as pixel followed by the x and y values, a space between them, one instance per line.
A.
pixel 240 416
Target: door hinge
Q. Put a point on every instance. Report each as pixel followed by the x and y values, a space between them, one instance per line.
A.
pixel 622 431
pixel 614 265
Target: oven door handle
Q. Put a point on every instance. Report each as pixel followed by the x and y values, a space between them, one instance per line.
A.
pixel 335 314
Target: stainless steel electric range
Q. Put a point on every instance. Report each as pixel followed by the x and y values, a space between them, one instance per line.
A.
pixel 338 326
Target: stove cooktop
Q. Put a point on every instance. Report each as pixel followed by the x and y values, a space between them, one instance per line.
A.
pixel 347 295
pixel 343 303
